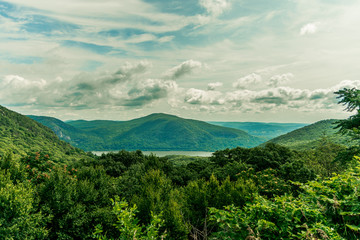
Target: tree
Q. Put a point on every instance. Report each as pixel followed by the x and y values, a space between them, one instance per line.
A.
pixel 128 225
pixel 350 98
pixel 325 209
pixel 18 219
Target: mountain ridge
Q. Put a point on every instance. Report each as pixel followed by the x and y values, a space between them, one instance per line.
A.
pixel 267 130
pixel 157 131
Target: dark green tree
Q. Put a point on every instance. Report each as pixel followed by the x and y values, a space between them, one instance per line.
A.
pixel 350 98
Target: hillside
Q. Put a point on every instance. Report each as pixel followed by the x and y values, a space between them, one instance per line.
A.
pixel 260 129
pixel 68 133
pixel 305 137
pixel 153 132
pixel 21 135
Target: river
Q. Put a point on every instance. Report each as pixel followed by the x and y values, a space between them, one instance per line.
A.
pixel 166 153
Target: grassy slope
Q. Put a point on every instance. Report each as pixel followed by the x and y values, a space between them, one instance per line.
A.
pixel 304 138
pixel 20 135
pixel 162 132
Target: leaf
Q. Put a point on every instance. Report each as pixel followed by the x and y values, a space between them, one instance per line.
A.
pixel 354 228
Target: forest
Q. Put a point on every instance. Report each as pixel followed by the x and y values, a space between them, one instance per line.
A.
pixel 55 191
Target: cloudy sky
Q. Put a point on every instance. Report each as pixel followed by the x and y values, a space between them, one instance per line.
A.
pixel 225 60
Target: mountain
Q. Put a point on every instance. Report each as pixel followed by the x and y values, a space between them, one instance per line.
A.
pixel 20 135
pixel 154 132
pixel 306 137
pixel 265 130
pixel 68 133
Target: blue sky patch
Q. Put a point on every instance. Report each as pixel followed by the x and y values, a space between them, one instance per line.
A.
pixel 48 26
pixel 88 46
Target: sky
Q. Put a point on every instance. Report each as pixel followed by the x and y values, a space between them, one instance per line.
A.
pixel 212 60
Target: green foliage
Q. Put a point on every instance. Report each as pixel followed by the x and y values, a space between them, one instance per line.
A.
pixel 323 159
pixel 183 159
pixel 283 218
pixel 38 166
pixel 76 203
pixel 12 167
pixel 128 225
pixel 350 98
pixel 260 158
pixel 268 181
pixel 156 195
pixel 200 195
pixel 116 164
pixel 326 209
pixel 18 219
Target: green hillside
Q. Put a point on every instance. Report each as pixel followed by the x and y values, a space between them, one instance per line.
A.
pixel 260 129
pixel 305 137
pixel 68 133
pixel 153 132
pixel 21 135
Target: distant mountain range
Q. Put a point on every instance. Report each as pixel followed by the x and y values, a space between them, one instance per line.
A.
pixel 265 130
pixel 170 133
pixel 306 137
pixel 154 132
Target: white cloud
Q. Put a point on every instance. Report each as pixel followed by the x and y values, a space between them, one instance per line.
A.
pixel 248 81
pixel 309 28
pixel 215 7
pixel 197 96
pixel 18 90
pixel 142 38
pixel 267 100
pixel 281 79
pixel 126 87
pixel 346 84
pixel 184 68
pixel 166 39
pixel 150 90
pixel 149 37
pixel 213 86
pixel 18 82
pixel 9 25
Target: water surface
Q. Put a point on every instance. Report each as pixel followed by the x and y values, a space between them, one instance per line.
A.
pixel 166 153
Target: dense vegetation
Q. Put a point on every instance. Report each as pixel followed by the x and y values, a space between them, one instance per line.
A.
pixel 269 192
pixel 19 135
pixel 73 201
pixel 153 132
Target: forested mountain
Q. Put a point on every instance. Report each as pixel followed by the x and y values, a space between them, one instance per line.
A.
pixel 70 134
pixel 261 129
pixel 305 137
pixel 153 132
pixel 20 135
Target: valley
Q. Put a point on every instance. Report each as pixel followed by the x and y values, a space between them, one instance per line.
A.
pixel 203 173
